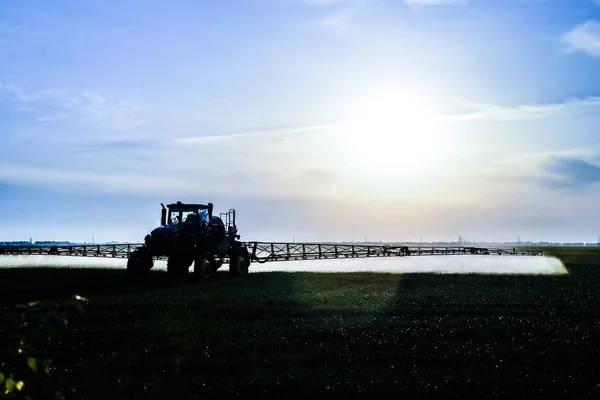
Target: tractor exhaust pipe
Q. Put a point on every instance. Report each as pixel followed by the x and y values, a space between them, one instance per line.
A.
pixel 163 215
pixel 234 225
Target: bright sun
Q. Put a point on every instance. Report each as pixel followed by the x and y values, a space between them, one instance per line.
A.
pixel 392 133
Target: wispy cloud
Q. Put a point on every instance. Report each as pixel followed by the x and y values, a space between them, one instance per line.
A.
pixel 584 37
pixel 325 2
pixel 340 15
pixel 86 108
pixel 337 22
pixel 269 134
pixel 123 183
pixel 118 182
pixel 572 173
pixel 436 2
pixel 571 106
pixel 238 180
pixel 284 162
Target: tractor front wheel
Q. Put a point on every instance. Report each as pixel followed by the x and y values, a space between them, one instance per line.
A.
pixel 203 266
pixel 139 264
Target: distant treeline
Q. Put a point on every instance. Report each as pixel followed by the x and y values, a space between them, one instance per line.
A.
pixel 52 243
pixel 468 244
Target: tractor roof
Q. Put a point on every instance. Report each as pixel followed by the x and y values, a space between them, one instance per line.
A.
pixel 188 206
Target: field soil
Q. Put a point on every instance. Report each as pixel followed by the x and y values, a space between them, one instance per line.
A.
pixel 296 334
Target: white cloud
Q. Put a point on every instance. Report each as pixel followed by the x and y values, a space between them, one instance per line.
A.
pixel 343 14
pixel 571 106
pixel 436 2
pixel 584 37
pixel 257 134
pixel 277 163
pixel 325 2
pixel 162 180
pixel 86 108
pixel 336 22
pixel 110 182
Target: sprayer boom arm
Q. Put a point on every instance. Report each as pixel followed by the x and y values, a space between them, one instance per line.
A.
pixel 271 251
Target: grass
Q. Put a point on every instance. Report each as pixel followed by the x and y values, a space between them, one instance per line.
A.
pixel 296 334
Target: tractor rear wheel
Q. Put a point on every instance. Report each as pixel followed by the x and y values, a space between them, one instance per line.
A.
pixel 139 264
pixel 204 266
pixel 238 265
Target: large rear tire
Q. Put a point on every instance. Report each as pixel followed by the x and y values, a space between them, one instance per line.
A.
pixel 139 264
pixel 238 265
pixel 204 266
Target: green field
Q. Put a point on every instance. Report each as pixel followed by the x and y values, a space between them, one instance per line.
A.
pixel 365 334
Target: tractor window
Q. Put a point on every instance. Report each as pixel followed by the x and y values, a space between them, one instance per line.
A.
pixel 188 216
pixel 203 216
pixel 197 216
pixel 174 217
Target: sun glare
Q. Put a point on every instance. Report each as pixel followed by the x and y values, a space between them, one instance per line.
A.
pixel 392 133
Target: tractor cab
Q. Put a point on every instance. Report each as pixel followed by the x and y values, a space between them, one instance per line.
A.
pixel 194 217
pixel 198 219
pixel 188 214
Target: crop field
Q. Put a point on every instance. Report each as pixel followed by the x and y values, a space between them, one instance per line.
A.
pixel 370 335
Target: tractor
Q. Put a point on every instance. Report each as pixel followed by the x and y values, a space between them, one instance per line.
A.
pixel 190 234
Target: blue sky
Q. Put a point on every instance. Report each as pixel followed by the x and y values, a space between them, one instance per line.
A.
pixel 314 119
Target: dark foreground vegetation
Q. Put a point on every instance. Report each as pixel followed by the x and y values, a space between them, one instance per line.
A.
pixel 366 335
